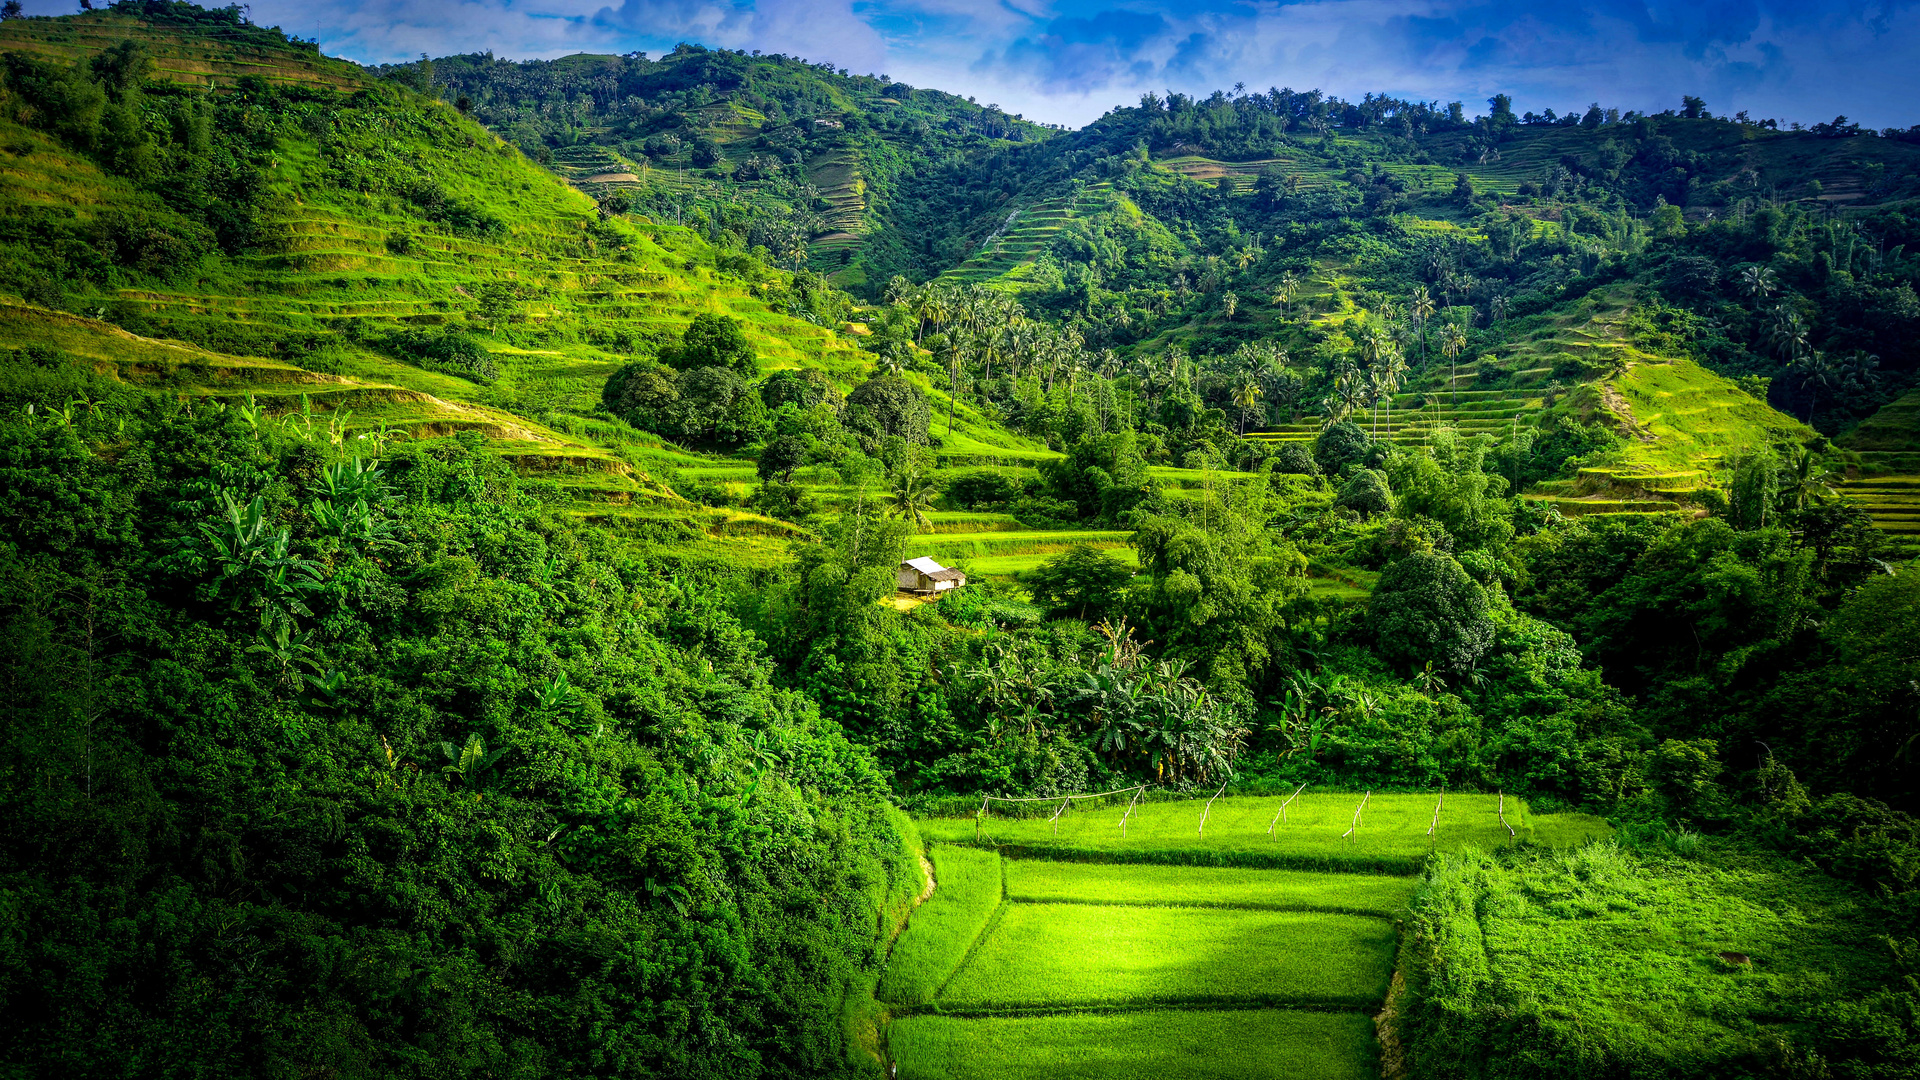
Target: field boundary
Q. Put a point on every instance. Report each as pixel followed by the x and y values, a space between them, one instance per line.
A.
pixel 1203 1003
pixel 1381 865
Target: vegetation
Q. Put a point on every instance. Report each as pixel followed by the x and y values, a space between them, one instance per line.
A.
pixel 967 893
pixel 1250 1043
pixel 1030 881
pixel 452 513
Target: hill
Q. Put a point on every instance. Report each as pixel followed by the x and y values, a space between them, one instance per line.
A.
pixel 816 156
pixel 295 232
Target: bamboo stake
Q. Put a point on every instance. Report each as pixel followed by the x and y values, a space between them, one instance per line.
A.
pixel 1055 819
pixel 1209 809
pixel 1137 792
pixel 1356 816
pixel 1436 812
pixel 1502 811
pixel 1281 815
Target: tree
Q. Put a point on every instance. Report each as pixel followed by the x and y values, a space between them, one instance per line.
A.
pixel 1452 341
pixel 10 10
pixel 1341 445
pixel 783 455
pixel 1085 582
pixel 716 341
pixel 912 495
pixel 1693 108
pixel 1246 396
pixel 1425 608
pixel 1420 309
pixel 1229 303
pixel 886 405
pixel 1365 493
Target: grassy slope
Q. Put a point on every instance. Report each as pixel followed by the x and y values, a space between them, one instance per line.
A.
pixel 1611 959
pixel 968 890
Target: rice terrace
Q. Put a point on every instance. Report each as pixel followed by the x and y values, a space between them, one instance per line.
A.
pixel 1213 939
pixel 790 540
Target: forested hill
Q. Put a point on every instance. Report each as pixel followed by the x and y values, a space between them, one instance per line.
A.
pixel 335 745
pixel 815 156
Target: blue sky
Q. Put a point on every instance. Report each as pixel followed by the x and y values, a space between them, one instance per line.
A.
pixel 1067 61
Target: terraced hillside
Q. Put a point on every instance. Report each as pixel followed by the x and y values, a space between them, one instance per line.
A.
pixel 1881 458
pixel 1681 422
pixel 389 213
pixel 1022 236
pixel 1178 949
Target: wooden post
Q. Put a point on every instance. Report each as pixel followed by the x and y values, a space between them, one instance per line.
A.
pixel 1281 815
pixel 980 818
pixel 1064 803
pixel 1436 812
pixel 1209 809
pixel 1502 811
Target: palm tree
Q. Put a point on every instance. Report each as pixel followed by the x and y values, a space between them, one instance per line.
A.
pixel 913 497
pixel 1757 282
pixel 1393 373
pixel 1804 479
pixel 1421 308
pixel 1283 293
pixel 1816 372
pixel 1247 396
pixel 1452 341
pixel 1786 333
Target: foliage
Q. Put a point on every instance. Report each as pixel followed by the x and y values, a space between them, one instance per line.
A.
pixel 349 805
pixel 1085 582
pixel 1426 608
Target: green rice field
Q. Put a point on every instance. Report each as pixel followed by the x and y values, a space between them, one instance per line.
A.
pixel 1236 1044
pixel 1319 829
pixel 1072 955
pixel 1032 881
pixel 941 930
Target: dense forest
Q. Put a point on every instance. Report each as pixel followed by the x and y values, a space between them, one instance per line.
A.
pixel 451 617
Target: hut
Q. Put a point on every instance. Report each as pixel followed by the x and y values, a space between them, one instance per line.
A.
pixel 925 577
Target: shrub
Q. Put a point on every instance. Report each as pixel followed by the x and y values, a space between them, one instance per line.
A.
pixel 1293 457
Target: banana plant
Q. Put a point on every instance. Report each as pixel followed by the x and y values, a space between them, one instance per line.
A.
pixel 470 763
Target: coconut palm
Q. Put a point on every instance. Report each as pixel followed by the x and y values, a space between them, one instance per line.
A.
pixel 1247 396
pixel 1421 308
pixel 1757 282
pixel 1453 341
pixel 912 497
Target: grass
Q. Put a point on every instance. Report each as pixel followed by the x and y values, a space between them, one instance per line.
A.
pixel 1071 955
pixel 1033 881
pixel 1607 962
pixel 1392 835
pixel 967 891
pixel 1246 1044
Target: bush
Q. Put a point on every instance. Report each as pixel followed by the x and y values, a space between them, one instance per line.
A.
pixel 1426 607
pixel 449 351
pixel 1085 583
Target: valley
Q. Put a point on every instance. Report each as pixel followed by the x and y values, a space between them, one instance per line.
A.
pixel 451 514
